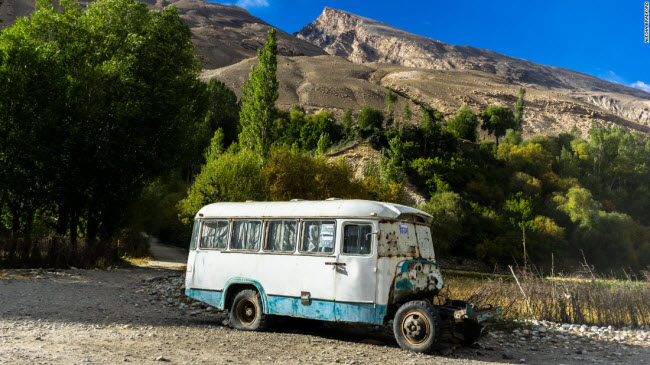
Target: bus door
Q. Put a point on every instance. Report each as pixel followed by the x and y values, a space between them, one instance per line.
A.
pixel 191 257
pixel 356 272
pixel 316 270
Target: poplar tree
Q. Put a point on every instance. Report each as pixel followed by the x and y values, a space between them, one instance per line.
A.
pixel 390 101
pixel 406 114
pixel 258 99
pixel 519 109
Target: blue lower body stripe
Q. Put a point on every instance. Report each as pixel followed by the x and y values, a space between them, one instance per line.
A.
pixel 325 310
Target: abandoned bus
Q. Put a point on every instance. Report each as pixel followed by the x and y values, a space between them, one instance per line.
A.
pixel 334 260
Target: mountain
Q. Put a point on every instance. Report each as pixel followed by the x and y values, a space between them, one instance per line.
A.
pixel 362 40
pixel 342 60
pixel 222 34
pixel 309 81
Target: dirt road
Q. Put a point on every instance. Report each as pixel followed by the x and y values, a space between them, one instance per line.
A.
pixel 113 316
pixel 166 256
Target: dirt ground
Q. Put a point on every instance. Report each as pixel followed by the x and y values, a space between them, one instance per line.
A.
pixel 112 316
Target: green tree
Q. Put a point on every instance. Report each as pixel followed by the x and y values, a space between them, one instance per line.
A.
pixel 259 94
pixel 323 144
pixel 315 126
pixel 406 114
pixel 497 120
pixel 464 124
pixel 513 137
pixel 519 108
pixel 389 102
pixel 520 211
pixel 370 120
pixel 297 175
pixel 228 176
pixel 350 131
pixel 120 101
pixel 287 131
pixel 223 111
pixel 448 216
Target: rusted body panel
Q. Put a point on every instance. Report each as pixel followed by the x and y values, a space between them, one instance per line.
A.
pixel 406 262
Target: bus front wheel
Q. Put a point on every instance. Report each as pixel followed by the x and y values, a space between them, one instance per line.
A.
pixel 246 311
pixel 417 326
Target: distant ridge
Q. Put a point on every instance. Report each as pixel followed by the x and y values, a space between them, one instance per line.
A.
pixel 363 40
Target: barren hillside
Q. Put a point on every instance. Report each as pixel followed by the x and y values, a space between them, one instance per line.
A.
pixel 362 40
pixel 310 81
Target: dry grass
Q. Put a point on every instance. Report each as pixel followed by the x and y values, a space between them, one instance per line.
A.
pixel 141 261
pixel 562 299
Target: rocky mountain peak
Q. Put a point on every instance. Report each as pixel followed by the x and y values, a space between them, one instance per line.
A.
pixel 362 40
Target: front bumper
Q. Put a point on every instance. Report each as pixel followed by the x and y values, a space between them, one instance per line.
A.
pixel 464 310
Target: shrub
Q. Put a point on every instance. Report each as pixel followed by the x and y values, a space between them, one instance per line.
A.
pixel 370 120
pixel 294 175
pixel 384 180
pixel 316 125
pixel 231 176
pixel 448 215
pixel 464 124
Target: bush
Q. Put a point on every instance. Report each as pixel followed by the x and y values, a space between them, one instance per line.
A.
pixel 131 243
pixel 448 215
pixel 318 124
pixel 464 124
pixel 371 120
pixel 383 180
pixel 294 175
pixel 231 176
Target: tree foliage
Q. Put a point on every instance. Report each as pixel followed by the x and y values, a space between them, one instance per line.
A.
pixel 111 101
pixel 496 120
pixel 258 110
pixel 519 108
pixel 370 120
pixel 464 124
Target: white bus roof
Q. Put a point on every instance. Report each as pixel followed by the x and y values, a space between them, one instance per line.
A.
pixel 331 208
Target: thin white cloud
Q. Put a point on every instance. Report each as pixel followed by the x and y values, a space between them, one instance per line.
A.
pixel 641 85
pixel 252 3
pixel 611 76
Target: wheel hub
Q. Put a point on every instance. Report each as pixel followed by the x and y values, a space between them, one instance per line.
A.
pixel 246 312
pixel 415 328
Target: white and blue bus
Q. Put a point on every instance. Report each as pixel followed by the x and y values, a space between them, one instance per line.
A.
pixel 333 260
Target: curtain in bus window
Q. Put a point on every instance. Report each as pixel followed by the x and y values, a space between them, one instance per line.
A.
pixel 215 234
pixel 318 236
pixel 289 236
pixel 282 236
pixel 357 239
pixel 253 235
pixel 246 235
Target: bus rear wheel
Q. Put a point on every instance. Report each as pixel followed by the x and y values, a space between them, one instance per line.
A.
pixel 246 311
pixel 417 326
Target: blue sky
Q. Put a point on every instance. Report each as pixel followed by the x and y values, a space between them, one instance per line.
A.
pixel 601 38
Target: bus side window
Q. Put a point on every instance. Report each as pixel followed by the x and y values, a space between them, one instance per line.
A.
pixel 281 236
pixel 195 233
pixel 246 235
pixel 214 234
pixel 318 236
pixel 357 239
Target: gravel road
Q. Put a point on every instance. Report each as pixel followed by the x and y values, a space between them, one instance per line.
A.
pixel 135 315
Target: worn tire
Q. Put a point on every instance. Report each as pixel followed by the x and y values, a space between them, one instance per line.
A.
pixel 417 326
pixel 246 311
